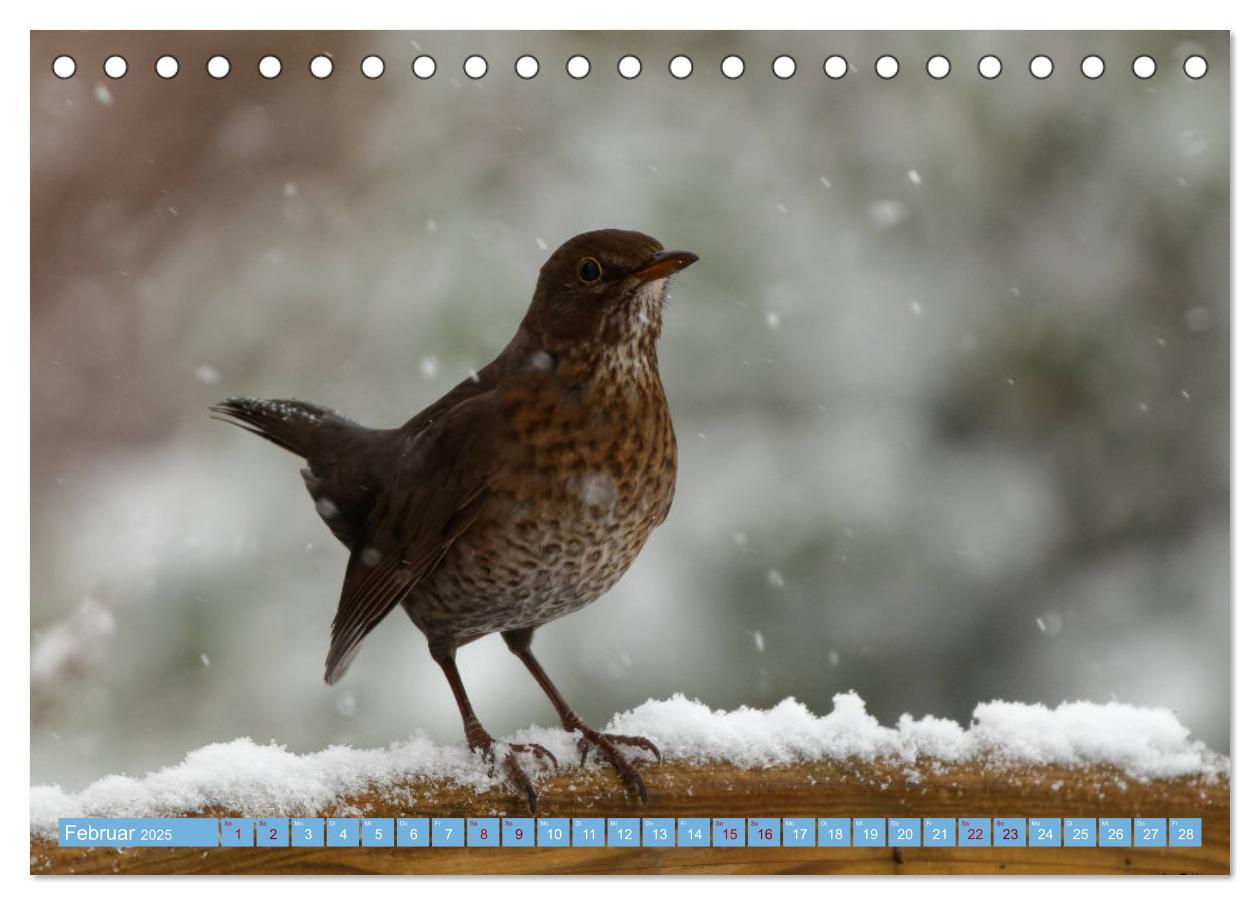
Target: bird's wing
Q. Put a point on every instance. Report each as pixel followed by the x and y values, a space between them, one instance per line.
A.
pixel 438 491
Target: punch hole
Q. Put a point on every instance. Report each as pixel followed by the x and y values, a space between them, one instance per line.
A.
pixel 887 67
pixel 218 67
pixel 784 67
pixel 476 66
pixel 989 67
pixel 64 66
pixel 835 66
pixel 680 66
pixel 166 66
pixel 732 66
pixel 1144 66
pixel 938 66
pixel 115 66
pixel 1041 66
pixel 578 66
pixel 372 67
pixel 527 66
pixel 423 66
pixel 629 67
pixel 269 67
pixel 1092 67
pixel 321 66
pixel 1195 67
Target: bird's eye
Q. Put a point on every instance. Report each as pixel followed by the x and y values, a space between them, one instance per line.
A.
pixel 589 270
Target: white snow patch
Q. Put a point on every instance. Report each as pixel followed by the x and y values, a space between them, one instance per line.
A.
pixel 268 780
pixel 72 646
pixel 887 214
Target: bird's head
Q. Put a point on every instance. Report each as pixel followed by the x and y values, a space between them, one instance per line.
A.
pixel 606 287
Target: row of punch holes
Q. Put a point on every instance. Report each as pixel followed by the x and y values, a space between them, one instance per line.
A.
pixel 629 66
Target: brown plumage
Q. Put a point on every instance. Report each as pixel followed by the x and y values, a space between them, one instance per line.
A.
pixel 521 495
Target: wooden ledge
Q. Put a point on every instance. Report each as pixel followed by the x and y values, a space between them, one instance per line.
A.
pixel 818 789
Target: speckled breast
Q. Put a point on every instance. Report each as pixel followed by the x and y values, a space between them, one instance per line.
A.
pixel 588 476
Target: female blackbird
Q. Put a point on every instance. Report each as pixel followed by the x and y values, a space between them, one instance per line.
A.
pixel 521 495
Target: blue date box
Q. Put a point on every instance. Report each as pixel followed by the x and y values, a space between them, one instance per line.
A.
pixel 975 832
pixel 729 832
pixel 588 832
pixel 447 832
pixel 1010 832
pixel 869 832
pixel 623 832
pixel 553 831
pixel 518 832
pixel 693 832
pixel 1080 832
pixel 378 832
pixel 764 832
pixel 939 832
pixel 236 832
pixel 272 831
pixel 800 832
pixel 343 832
pixel 904 831
pixel 834 831
pixel 1150 832
pixel 413 832
pixel 1045 832
pixel 1185 831
pixel 308 832
pixel 1115 832
pixel 658 831
pixel 483 832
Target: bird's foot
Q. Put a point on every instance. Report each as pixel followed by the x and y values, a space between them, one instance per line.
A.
pixel 482 744
pixel 607 744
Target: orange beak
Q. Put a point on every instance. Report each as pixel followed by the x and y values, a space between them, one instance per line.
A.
pixel 665 264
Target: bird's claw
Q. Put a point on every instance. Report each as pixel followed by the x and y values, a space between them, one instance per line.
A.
pixel 515 772
pixel 607 746
pixel 541 754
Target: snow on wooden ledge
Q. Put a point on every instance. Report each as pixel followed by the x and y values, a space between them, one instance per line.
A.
pixel 1129 744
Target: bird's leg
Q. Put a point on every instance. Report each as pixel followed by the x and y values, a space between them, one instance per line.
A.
pixel 518 642
pixel 479 741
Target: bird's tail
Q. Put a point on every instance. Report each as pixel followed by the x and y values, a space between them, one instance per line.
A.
pixel 300 427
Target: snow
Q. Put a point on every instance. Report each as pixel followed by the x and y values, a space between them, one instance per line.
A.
pixel 73 645
pixel 207 374
pixel 262 780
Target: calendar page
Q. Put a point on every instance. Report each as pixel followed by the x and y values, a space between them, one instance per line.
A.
pixel 613 452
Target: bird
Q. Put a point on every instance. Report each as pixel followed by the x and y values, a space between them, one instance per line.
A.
pixel 521 496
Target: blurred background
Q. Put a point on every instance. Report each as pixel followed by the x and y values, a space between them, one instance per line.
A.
pixel 950 382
